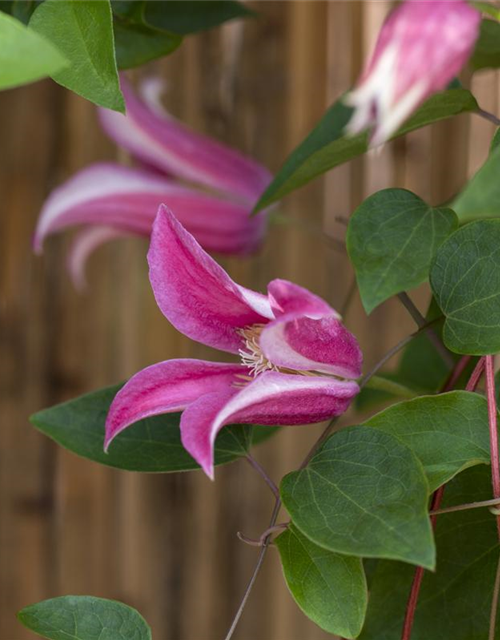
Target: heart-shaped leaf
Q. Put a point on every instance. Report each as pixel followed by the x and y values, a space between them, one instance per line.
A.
pixel 455 601
pixel 84 618
pixel 329 588
pixel 391 239
pixel 465 279
pixel 448 432
pixel 363 494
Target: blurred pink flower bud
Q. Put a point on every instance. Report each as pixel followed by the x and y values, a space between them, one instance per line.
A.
pixel 421 47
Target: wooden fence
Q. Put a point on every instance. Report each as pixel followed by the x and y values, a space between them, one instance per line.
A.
pixel 167 544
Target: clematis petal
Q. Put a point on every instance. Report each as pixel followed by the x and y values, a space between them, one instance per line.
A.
pixel 85 243
pixel 289 298
pixel 162 141
pixel 128 199
pixel 308 344
pixel 194 293
pixel 196 426
pixel 272 398
pixel 166 387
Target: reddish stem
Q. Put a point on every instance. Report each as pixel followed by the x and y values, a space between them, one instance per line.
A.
pixel 457 371
pixel 411 606
pixel 492 419
pixel 476 375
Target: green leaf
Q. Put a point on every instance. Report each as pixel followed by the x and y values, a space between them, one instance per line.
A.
pixel 151 445
pixel 465 279
pixel 326 146
pixel 481 196
pixel 455 601
pixel 83 31
pixel 486 7
pixel 25 56
pixel 136 44
pixel 487 51
pixel 394 387
pixel 495 141
pixel 23 9
pixel 84 618
pixel 448 432
pixel 363 494
pixel 181 16
pixel 391 239
pixel 329 588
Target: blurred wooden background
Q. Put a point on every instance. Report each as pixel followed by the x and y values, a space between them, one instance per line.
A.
pixel 167 544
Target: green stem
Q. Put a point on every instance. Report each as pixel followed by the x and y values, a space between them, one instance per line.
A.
pixel 394 388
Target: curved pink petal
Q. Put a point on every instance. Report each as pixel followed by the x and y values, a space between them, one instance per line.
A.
pixel 85 243
pixel 164 142
pixel 166 387
pixel 271 399
pixel 289 298
pixel 128 199
pixel 194 293
pixel 308 344
pixel 196 426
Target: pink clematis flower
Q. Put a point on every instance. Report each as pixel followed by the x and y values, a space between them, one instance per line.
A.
pixel 297 361
pixel 111 200
pixel 421 48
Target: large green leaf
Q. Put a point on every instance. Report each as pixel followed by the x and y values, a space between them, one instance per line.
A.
pixel 137 44
pixel 364 494
pixel 391 239
pixel 83 31
pixel 455 601
pixel 329 588
pixel 327 146
pixel 151 445
pixel 448 432
pixel 465 279
pixel 487 51
pixel 25 55
pixel 84 618
pixel 180 16
pixel 481 196
pixel 23 9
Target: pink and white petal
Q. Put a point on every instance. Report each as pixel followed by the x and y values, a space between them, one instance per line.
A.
pixel 196 427
pixel 84 244
pixel 308 344
pixel 194 293
pixel 128 199
pixel 271 399
pixel 163 141
pixel 104 192
pixel 164 388
pixel 289 298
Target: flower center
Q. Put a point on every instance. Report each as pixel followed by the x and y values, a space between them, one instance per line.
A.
pixel 251 355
